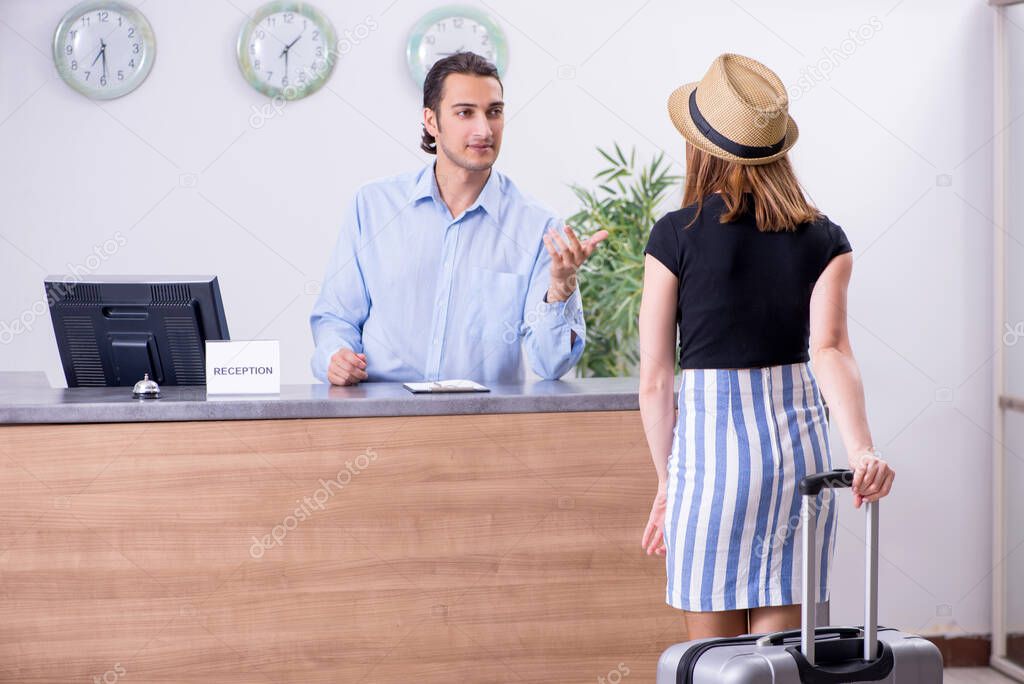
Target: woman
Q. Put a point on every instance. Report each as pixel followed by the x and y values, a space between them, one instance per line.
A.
pixel 755 278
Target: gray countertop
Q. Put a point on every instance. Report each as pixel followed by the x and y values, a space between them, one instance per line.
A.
pixel 26 397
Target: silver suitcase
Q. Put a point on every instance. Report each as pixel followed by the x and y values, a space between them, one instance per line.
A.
pixel 825 655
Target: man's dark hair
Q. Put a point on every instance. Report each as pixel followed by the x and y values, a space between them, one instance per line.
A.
pixel 468 63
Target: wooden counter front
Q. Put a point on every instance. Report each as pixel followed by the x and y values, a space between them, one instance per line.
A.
pixel 454 548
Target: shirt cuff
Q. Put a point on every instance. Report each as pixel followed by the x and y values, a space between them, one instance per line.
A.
pixel 569 311
pixel 327 346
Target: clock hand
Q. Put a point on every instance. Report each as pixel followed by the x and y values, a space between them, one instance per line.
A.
pixel 284 53
pixel 289 46
pixel 103 51
pixel 98 54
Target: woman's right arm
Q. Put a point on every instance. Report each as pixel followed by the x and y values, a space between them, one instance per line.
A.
pixel 658 307
pixel 839 379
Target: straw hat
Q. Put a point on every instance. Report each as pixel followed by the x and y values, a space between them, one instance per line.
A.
pixel 739 112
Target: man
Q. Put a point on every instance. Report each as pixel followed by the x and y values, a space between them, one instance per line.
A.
pixel 443 273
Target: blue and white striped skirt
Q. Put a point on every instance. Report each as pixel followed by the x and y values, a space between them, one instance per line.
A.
pixel 743 440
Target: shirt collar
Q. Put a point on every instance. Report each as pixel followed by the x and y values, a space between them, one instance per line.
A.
pixel 489 198
pixel 426 186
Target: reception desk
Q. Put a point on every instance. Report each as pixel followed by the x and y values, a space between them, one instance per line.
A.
pixel 328 535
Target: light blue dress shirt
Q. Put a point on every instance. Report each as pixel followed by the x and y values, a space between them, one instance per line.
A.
pixel 428 296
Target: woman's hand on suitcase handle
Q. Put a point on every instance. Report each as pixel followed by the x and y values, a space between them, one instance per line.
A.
pixel 872 477
pixel 654 534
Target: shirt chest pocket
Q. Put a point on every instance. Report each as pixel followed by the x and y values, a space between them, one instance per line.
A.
pixel 497 299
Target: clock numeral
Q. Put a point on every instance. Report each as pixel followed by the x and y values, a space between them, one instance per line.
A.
pixel 68 49
pixel 71 35
pixel 103 80
pixel 485 39
pixel 302 76
pixel 256 65
pixel 289 17
pixel 271 21
pixel 119 21
pixel 135 48
pixel 252 48
pixel 131 31
pixel 260 34
pixel 74 65
pixel 102 16
pixel 319 51
pixel 85 21
pixel 440 26
pixel 316 34
pixel 457 22
pixel 131 63
pixel 269 75
pixel 120 75
pixel 430 40
pixel 87 74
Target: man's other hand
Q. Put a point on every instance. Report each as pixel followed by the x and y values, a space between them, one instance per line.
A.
pixel 347 368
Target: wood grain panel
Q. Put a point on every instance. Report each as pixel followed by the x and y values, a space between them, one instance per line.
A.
pixel 491 548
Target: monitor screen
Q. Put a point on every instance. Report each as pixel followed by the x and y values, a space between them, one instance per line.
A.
pixel 112 330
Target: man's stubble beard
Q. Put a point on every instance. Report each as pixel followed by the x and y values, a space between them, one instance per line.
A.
pixel 464 163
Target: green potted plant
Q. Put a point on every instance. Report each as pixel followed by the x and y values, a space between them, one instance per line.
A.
pixel 626 202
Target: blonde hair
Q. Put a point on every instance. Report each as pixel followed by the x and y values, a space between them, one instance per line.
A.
pixel 778 200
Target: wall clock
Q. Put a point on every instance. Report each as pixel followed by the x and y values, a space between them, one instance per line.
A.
pixel 287 49
pixel 104 49
pixel 450 29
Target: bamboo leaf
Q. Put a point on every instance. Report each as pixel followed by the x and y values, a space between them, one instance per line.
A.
pixel 624 201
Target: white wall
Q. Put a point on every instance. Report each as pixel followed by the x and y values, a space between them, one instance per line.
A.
pixel 909 104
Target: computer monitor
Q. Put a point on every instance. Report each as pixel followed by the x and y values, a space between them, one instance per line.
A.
pixel 111 330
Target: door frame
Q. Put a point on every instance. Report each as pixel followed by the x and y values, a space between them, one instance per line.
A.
pixel 1003 402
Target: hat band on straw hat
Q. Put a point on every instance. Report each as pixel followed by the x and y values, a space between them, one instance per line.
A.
pixel 731 146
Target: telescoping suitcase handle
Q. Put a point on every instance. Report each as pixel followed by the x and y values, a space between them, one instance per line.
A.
pixel 810 487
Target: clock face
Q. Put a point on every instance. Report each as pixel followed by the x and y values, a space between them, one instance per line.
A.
pixel 287 49
pixel 448 30
pixel 104 49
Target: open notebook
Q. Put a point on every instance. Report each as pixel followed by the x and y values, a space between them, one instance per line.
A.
pixel 444 386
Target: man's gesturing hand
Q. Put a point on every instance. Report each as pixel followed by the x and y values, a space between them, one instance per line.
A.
pixel 566 258
pixel 347 368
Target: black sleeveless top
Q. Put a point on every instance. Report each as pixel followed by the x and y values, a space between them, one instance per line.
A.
pixel 744 295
